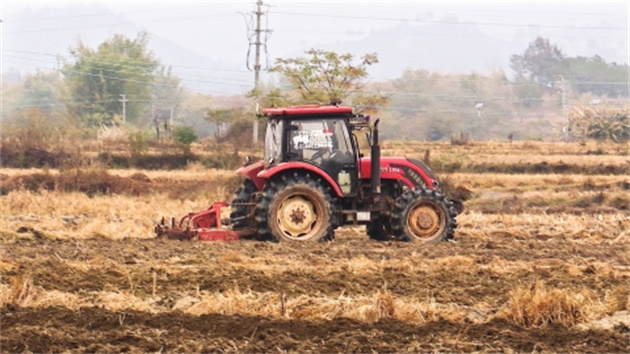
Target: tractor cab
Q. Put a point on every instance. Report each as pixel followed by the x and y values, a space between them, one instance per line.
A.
pixel 316 135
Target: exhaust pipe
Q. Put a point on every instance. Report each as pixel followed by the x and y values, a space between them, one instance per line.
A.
pixel 375 163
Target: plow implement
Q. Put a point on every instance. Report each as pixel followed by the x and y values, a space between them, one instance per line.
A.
pixel 205 225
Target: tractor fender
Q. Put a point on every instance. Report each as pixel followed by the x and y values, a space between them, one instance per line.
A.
pixel 251 172
pixel 412 173
pixel 296 165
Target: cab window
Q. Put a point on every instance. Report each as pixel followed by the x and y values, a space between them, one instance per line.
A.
pixel 312 140
pixel 325 143
pixel 273 141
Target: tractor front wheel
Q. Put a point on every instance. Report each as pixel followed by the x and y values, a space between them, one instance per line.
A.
pixel 424 216
pixel 296 208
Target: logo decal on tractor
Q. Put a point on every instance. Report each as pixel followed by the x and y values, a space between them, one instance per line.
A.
pixel 388 169
pixel 315 139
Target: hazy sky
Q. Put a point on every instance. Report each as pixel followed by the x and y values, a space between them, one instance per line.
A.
pixel 218 29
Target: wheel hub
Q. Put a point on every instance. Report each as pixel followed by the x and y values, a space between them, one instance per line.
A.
pixel 296 216
pixel 426 220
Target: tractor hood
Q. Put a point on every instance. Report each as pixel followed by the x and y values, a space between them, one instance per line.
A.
pixel 413 173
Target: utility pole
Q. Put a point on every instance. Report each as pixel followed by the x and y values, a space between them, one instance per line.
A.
pixel 259 14
pixel 565 129
pixel 257 64
pixel 170 120
pixel 124 100
pixel 259 43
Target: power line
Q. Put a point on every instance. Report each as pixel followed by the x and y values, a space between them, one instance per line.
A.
pixel 199 79
pixel 56 56
pixel 512 10
pixel 171 18
pixel 399 108
pixel 319 6
pixel 393 95
pixel 238 82
pixel 100 14
pixel 120 23
pixel 398 19
pixel 398 93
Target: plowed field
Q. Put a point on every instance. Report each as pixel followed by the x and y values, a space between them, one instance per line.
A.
pixel 539 263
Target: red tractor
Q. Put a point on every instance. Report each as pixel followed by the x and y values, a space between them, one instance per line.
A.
pixel 314 179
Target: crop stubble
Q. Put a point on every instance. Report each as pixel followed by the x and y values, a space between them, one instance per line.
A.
pixel 82 274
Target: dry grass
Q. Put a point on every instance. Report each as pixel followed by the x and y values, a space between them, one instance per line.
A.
pixel 574 202
pixel 528 306
pixel 193 172
pixel 365 308
pixel 322 267
pixel 610 227
pixel 77 216
pixel 501 181
pixel 485 181
pixel 505 148
pixel 540 305
pixel 588 160
pixel 22 292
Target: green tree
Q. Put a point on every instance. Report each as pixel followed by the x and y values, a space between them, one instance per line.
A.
pixel 97 79
pixel 324 77
pixel 272 97
pixel 43 90
pixel 184 136
pixel 432 106
pixel 528 93
pixel 598 77
pixel 541 62
pixel 419 88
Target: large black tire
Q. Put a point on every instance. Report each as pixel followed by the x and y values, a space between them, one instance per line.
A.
pixel 377 231
pixel 238 216
pixel 297 207
pixel 423 215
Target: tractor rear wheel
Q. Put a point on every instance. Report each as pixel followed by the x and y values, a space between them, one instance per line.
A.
pixel 423 215
pixel 242 214
pixel 297 208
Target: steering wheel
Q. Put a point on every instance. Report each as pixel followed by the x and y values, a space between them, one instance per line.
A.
pixel 319 154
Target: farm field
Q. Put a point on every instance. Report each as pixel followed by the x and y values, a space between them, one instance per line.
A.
pixel 540 263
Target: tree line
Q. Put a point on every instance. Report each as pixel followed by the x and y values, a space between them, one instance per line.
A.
pixel 122 80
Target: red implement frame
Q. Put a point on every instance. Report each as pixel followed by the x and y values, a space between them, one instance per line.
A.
pixel 205 225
